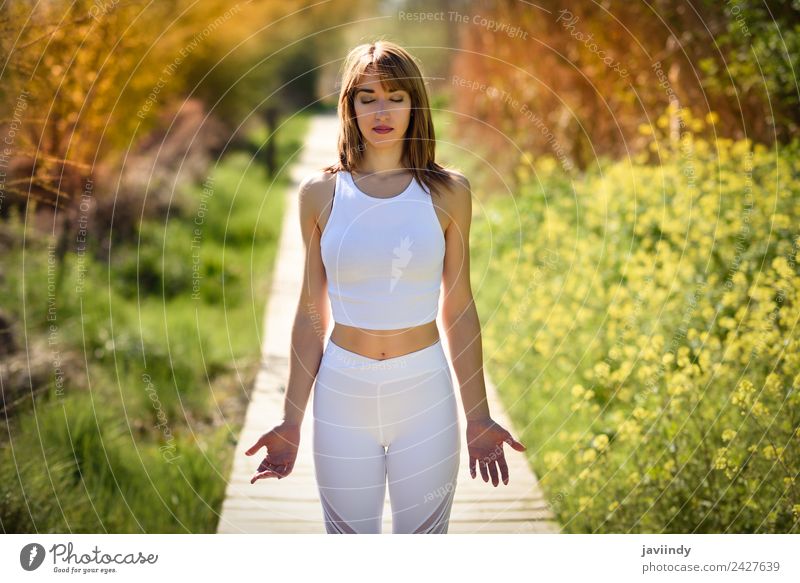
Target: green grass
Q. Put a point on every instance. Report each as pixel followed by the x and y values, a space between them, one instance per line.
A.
pixel 142 438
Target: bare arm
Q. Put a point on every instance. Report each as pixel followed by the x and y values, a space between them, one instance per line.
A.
pixel 459 315
pixel 308 336
pixel 485 437
pixel 311 319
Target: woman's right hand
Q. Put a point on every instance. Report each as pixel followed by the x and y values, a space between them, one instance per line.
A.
pixel 281 442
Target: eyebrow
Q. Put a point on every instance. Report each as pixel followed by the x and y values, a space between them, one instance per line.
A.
pixel 360 89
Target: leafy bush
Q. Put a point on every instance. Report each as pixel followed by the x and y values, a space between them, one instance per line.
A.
pixel 161 263
pixel 650 346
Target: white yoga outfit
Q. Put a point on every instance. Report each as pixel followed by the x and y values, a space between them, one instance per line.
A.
pixel 383 257
pixel 394 420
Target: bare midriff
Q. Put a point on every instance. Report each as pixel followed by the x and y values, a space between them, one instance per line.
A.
pixel 383 344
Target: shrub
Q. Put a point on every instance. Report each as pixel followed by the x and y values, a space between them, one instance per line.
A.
pixel 651 344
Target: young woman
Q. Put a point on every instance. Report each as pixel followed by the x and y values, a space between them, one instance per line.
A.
pixel 384 229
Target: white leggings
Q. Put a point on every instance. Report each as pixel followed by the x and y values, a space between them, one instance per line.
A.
pixel 377 419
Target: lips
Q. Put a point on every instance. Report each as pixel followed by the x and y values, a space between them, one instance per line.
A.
pixel 382 129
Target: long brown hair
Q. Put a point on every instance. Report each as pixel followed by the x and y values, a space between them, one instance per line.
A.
pixel 397 70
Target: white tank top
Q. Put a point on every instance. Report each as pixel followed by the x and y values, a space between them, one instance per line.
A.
pixel 383 257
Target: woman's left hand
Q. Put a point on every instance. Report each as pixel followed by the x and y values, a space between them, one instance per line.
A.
pixel 485 440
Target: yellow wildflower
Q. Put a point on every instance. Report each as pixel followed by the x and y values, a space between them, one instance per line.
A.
pixel 721 461
pixel 600 442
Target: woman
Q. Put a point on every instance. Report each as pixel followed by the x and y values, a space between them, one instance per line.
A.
pixel 384 229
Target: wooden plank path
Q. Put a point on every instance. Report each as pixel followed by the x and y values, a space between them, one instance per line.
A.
pixel 292 505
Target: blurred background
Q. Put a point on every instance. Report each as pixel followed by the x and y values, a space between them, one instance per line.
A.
pixel 636 176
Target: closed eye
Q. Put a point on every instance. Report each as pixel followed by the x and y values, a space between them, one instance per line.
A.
pixel 372 100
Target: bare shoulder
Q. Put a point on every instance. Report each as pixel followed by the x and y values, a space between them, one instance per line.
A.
pixel 458 195
pixel 461 185
pixel 317 184
pixel 316 192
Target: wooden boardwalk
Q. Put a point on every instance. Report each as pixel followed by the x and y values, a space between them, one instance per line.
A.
pixel 292 505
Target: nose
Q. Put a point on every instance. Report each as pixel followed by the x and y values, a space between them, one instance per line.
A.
pixel 381 111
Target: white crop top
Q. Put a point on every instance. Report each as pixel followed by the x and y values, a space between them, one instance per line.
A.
pixel 383 257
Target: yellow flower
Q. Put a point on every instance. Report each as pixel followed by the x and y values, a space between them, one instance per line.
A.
pixel 628 428
pixel 728 434
pixel 730 298
pixel 772 384
pixel 602 370
pixel 759 410
pixel 613 506
pixel 697 125
pixel 678 389
pixel 553 459
pixel 721 461
pixel 744 392
pixel 600 442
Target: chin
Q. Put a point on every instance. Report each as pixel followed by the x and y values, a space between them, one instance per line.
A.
pixel 389 143
pixel 384 145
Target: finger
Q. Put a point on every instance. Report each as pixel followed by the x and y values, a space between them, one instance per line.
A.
pixel 266 464
pixel 281 470
pixel 484 471
pixel 493 472
pixel 264 474
pixel 472 467
pixel 255 447
pixel 503 469
pixel 514 443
